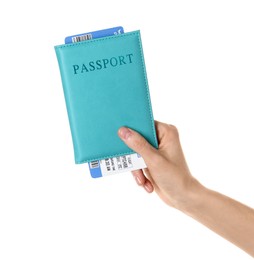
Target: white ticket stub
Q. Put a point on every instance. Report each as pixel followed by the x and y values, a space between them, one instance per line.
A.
pixel 109 166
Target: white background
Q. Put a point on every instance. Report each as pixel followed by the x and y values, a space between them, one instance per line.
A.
pixel 200 62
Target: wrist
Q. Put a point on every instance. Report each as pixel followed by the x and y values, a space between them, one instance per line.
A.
pixel 192 197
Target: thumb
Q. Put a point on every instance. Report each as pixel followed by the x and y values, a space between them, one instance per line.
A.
pixel 137 143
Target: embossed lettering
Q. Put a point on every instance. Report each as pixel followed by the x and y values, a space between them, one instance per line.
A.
pixel 106 63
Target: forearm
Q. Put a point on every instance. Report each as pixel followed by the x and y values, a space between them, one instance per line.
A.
pixel 225 216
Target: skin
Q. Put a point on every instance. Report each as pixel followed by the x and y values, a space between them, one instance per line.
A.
pixel 175 185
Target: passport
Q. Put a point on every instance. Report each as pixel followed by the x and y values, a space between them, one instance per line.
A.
pixel 105 87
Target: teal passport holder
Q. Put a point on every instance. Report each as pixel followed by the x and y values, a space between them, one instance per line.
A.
pixel 105 87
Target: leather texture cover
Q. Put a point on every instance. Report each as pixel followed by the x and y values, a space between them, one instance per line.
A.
pixel 105 87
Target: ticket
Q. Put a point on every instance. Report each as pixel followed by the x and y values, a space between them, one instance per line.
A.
pixel 110 166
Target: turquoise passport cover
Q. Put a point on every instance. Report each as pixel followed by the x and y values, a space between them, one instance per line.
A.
pixel 105 87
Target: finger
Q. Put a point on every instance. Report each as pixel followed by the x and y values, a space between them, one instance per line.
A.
pixel 148 186
pixel 139 177
pixel 137 143
pixel 142 180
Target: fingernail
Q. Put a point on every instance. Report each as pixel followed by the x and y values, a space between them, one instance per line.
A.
pixel 138 180
pixel 148 187
pixel 124 133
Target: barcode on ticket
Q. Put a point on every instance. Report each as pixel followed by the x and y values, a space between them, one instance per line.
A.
pixel 81 38
pixel 94 164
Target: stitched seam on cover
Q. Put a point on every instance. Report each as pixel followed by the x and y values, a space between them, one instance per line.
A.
pixel 102 158
pixel 96 40
pixel 147 91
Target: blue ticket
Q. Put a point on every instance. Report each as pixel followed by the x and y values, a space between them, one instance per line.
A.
pixel 94 35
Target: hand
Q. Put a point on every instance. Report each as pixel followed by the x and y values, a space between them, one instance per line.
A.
pixel 167 172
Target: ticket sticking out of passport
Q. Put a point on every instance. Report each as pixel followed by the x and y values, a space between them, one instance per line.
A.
pixel 94 35
pixel 109 166
pixel 115 165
